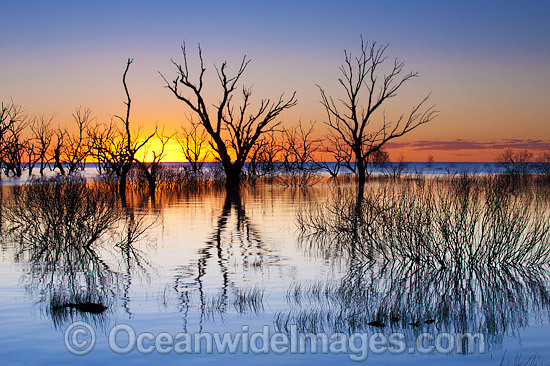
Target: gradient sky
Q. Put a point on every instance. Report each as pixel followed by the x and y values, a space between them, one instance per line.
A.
pixel 487 63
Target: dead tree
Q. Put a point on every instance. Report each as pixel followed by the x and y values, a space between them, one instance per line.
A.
pixel 341 154
pixel 131 146
pixel 43 136
pixel 378 159
pixel 366 89
pixel 152 168
pixel 234 132
pixel 31 153
pixel 9 114
pixel 103 147
pixel 298 148
pixel 520 162
pixel 76 146
pixel 264 156
pixel 13 144
pixel 193 145
pixel 58 150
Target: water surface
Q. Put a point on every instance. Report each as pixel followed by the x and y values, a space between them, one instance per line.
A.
pixel 198 261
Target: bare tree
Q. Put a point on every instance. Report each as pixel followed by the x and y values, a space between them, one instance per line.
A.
pixel 298 148
pixel 76 147
pixel 379 158
pixel 352 120
pixel 151 168
pixel 106 146
pixel 516 162
pixel 10 114
pixel 131 145
pixel 263 156
pixel 341 154
pixel 193 145
pixel 31 153
pixel 58 149
pixel 43 136
pixel 394 170
pixel 234 132
pixel 13 144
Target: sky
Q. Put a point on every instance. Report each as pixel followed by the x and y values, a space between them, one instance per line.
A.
pixel 485 63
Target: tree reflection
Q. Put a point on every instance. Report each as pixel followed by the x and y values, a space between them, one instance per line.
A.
pixel 234 238
pixel 63 229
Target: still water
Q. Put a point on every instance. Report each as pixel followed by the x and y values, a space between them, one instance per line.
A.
pixel 196 262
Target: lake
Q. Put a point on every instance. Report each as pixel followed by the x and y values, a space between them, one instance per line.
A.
pixel 428 268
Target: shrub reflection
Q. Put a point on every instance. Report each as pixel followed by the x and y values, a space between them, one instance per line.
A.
pixel 454 254
pixel 62 228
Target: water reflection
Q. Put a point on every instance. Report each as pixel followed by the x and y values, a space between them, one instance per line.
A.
pixel 62 230
pixel 234 242
pixel 448 255
pixel 408 256
pixel 408 299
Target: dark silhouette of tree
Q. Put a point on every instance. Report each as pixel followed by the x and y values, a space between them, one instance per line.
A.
pixel 10 114
pixel 57 150
pixel 341 154
pixel 234 132
pixel 366 89
pixel 263 156
pixel 76 148
pixel 115 147
pixel 43 136
pixel 131 146
pixel 13 122
pixel 106 147
pixel 516 162
pixel 378 159
pixel 152 168
pixel 193 145
pixel 31 154
pixel 298 148
pixel 395 169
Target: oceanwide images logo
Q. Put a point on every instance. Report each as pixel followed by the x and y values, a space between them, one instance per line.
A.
pixel 80 339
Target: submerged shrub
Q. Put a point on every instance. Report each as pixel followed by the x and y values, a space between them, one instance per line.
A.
pixel 61 227
pixel 456 254
pixel 62 211
pixel 439 222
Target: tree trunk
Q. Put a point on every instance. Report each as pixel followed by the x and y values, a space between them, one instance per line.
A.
pixel 151 177
pixel 58 164
pixel 361 177
pixel 122 183
pixel 232 177
pixel 152 185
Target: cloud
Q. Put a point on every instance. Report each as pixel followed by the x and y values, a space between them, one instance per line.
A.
pixel 460 144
